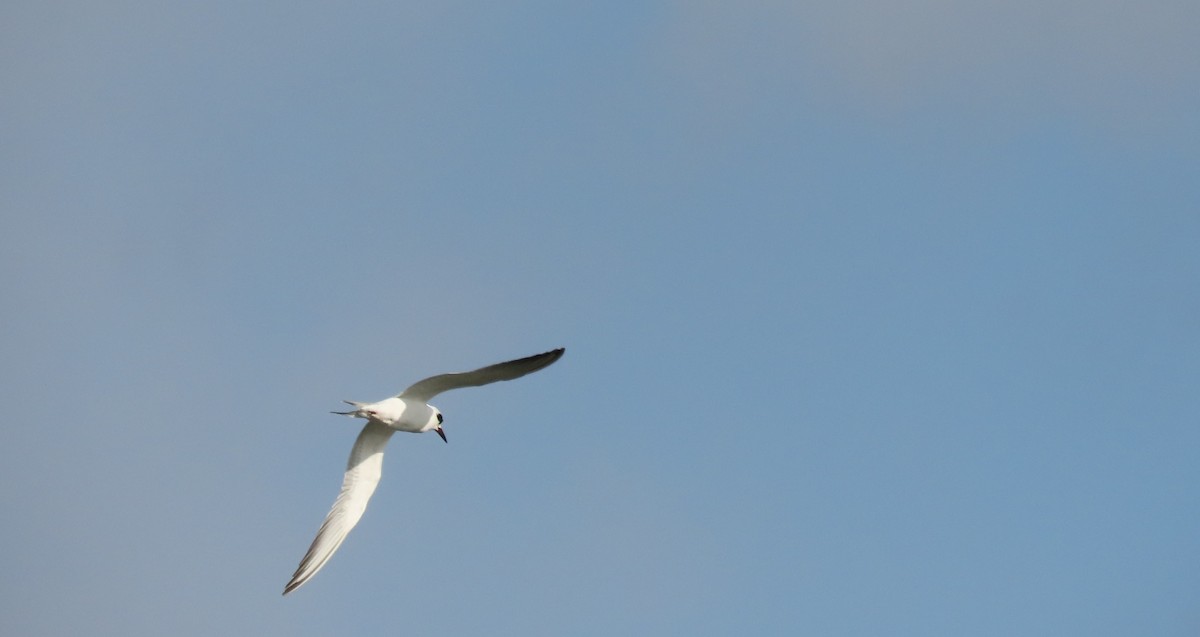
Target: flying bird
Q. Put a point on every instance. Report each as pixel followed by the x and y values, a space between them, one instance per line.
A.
pixel 409 411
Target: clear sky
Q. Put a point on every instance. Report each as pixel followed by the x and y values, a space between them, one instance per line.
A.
pixel 881 318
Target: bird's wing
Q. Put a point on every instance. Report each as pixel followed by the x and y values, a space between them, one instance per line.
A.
pixel 508 370
pixel 362 475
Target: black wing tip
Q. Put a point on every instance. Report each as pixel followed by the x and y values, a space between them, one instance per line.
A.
pixel 544 357
pixel 293 585
pixel 533 362
pixel 550 356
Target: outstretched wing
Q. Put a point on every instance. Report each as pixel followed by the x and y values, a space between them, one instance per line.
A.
pixel 362 476
pixel 434 385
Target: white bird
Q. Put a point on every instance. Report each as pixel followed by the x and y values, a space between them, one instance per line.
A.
pixel 409 411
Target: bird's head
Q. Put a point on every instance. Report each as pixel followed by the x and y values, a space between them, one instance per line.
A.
pixel 435 423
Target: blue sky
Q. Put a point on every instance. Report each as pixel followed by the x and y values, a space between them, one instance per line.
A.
pixel 880 319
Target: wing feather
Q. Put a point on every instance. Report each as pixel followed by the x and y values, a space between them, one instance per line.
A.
pixel 362 476
pixel 424 390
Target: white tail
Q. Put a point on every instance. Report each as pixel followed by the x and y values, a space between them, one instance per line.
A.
pixel 357 408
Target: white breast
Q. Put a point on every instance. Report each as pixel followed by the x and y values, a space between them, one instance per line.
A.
pixel 403 415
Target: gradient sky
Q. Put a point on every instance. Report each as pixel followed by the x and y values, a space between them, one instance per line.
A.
pixel 881 319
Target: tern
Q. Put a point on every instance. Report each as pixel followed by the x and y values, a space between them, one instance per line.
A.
pixel 409 411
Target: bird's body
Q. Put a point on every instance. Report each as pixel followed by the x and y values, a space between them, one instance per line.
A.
pixel 401 414
pixel 411 412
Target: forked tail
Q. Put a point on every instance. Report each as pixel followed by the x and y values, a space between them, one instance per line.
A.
pixel 357 408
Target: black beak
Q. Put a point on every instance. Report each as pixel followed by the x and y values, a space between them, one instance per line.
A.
pixel 442 434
